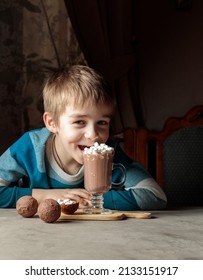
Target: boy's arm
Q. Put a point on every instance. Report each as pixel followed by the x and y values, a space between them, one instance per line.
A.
pixel 11 175
pixel 141 192
pixel 133 199
pixel 9 195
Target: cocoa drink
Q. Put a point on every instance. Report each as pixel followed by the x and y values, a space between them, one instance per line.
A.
pixel 98 160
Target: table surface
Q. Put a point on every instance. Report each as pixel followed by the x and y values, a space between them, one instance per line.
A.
pixel 171 234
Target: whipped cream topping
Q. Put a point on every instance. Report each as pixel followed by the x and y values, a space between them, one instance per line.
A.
pixel 65 201
pixel 98 148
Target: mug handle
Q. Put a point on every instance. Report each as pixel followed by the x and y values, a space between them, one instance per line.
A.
pixel 123 170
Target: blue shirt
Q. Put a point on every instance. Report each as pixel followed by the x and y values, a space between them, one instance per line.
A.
pixel 29 164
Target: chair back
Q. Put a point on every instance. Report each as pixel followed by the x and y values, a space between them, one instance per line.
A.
pixel 173 156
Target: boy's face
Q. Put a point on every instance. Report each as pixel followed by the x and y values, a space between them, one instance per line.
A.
pixel 81 127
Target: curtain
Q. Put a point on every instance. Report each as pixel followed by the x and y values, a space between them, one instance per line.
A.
pixel 105 32
pixel 48 44
pixel 36 38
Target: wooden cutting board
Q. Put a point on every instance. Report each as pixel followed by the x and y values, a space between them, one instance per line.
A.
pixel 116 215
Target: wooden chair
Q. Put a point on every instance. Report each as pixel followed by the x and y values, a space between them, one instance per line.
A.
pixel 173 156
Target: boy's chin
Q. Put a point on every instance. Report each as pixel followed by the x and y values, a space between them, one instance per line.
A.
pixel 80 160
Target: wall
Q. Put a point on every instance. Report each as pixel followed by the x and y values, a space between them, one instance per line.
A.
pixel 10 72
pixel 170 59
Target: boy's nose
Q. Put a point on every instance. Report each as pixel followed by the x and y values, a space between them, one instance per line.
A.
pixel 91 134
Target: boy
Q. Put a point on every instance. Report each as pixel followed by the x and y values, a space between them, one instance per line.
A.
pixel 48 162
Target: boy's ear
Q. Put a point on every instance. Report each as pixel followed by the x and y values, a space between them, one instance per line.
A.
pixel 49 122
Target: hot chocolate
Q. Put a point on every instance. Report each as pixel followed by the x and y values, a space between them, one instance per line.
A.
pixel 98 161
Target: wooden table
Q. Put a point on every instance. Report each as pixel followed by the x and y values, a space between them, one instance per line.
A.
pixel 174 234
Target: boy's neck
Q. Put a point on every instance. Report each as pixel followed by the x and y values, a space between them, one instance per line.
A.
pixel 71 169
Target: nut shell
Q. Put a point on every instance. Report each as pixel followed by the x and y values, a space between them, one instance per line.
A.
pixel 49 210
pixel 26 206
pixel 69 208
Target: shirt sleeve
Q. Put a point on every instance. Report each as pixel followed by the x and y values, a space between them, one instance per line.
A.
pixel 9 195
pixel 11 174
pixel 22 166
pixel 140 192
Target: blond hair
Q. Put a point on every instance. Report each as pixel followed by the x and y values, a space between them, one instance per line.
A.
pixel 74 86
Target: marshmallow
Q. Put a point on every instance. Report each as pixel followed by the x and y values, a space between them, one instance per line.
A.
pixel 98 148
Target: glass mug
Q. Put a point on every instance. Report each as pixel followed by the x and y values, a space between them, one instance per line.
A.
pixel 98 180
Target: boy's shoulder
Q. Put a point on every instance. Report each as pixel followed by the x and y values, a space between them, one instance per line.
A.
pixel 39 135
pixel 36 137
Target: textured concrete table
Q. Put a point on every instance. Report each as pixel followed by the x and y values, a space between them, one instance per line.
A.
pixel 174 234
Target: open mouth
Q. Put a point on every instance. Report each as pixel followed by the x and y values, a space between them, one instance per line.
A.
pixel 81 147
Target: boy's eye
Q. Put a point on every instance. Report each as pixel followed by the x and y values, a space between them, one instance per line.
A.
pixel 103 123
pixel 79 122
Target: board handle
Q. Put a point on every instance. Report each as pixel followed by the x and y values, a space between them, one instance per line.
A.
pixel 137 215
